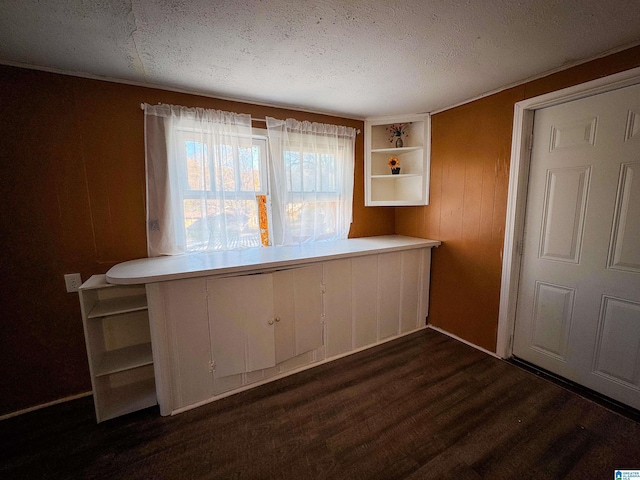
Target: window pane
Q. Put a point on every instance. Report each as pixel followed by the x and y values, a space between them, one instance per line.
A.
pixel 327 180
pixel 249 159
pixel 312 220
pixel 198 171
pixel 257 168
pixel 293 171
pixel 219 193
pixel 211 227
pixel 315 173
pixel 225 169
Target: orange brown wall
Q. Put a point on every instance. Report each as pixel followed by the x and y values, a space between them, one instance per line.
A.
pixel 470 156
pixel 73 200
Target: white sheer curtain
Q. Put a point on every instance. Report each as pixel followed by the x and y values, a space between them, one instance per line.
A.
pixel 313 172
pixel 202 180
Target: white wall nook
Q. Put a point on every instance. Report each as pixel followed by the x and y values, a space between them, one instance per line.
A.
pixel 410 145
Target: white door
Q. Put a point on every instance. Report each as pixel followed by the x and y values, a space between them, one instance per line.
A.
pixel 578 309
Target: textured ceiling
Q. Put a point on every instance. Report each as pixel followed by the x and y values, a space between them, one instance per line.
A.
pixel 353 58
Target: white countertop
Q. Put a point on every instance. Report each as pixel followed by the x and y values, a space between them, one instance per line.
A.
pixel 160 269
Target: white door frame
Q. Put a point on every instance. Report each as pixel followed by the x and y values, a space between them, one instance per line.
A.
pixel 518 182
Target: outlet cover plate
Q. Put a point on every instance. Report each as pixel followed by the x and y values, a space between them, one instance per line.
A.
pixel 72 282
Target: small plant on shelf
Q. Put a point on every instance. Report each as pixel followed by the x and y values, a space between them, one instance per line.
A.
pixel 394 165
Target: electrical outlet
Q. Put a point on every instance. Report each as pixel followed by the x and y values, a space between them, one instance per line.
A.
pixel 72 281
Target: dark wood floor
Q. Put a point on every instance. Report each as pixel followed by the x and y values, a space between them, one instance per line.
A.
pixel 423 406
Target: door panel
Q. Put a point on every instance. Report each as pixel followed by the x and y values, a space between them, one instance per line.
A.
pixel 285 314
pixel 618 350
pixel 625 246
pixel 364 278
pixel 240 309
pixel 563 213
pixel 307 301
pixel 337 306
pixel 411 285
pixel 552 312
pixel 578 311
pixel 389 293
pixel 298 306
pixel 185 302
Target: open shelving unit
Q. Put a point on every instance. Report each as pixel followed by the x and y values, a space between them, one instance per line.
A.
pixel 118 341
pixel 411 185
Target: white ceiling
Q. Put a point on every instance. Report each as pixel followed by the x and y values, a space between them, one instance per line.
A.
pixel 358 58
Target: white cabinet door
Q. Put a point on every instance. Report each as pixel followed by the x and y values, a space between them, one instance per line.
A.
pixel 241 323
pixel 298 311
pixel 181 331
pixel 337 307
pixel 285 314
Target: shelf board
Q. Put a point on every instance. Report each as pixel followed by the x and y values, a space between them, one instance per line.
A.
pixel 395 203
pixel 95 282
pixel 115 306
pixel 126 358
pixel 127 399
pixel 396 150
pixel 389 175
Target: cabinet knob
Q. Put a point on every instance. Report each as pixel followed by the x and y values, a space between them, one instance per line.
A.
pixel 271 322
pixel 277 319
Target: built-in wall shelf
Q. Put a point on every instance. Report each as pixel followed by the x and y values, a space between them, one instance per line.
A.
pixel 118 341
pixel 411 185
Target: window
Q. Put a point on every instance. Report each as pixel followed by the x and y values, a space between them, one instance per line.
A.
pixel 313 171
pixel 209 178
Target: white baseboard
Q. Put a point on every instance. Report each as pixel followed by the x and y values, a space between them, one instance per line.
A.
pixel 44 405
pixel 455 337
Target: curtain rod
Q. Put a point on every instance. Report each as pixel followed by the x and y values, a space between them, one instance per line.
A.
pixel 262 120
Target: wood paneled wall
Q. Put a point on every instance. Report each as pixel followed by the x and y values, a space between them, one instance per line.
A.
pixel 470 158
pixel 73 193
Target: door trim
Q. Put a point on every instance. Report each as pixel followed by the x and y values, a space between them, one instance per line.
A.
pixel 517 193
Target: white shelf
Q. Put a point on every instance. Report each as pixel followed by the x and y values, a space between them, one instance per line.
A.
pixel 396 150
pixel 95 282
pixel 118 305
pixel 128 398
pixel 125 358
pixel 399 175
pixel 118 340
pixel 411 186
